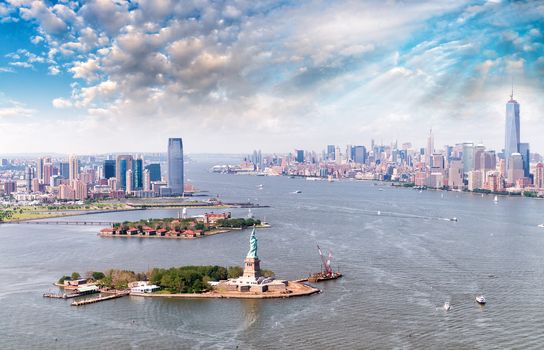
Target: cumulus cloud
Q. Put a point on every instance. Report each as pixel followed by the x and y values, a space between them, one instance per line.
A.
pixel 288 67
pixel 61 103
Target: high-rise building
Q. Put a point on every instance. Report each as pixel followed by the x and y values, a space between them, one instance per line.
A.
pixel 515 168
pixel 154 171
pixel 109 168
pixel 64 170
pixel 359 154
pixel 299 156
pixel 73 163
pixel 330 152
pixel 539 175
pixel 478 151
pixel 430 149
pixel 175 166
pixel 28 179
pixel 137 174
pixel 455 174
pixel 47 172
pixel 512 129
pixel 526 156
pixel 468 157
pixel 39 169
pixel 147 180
pixel 128 184
pixel 124 164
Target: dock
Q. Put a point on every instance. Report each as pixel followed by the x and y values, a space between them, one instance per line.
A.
pixel 65 222
pixel 96 300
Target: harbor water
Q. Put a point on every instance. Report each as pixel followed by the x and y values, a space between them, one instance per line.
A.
pixel 400 255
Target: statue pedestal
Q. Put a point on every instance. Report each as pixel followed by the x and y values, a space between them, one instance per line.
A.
pixel 252 268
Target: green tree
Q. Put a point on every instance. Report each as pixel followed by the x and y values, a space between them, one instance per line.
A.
pixel 75 275
pixel 96 275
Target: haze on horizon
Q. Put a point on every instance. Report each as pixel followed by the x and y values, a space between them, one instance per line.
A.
pixel 232 76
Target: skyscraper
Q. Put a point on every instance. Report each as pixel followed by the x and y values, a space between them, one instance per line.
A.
pixel 299 156
pixel 73 164
pixel 175 166
pixel 154 171
pixel 64 170
pixel 124 163
pixel 468 157
pixel 526 156
pixel 109 168
pixel 512 138
pixel 430 149
pixel 330 152
pixel 137 174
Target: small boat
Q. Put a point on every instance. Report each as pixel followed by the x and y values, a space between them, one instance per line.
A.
pixel 380 189
pixel 447 306
pixel 379 212
pixel 480 299
pixel 541 225
pixel 297 191
pixel 454 219
pixel 496 199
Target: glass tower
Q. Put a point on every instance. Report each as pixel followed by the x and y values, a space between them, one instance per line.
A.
pixel 109 169
pixel 137 174
pixel 175 166
pixel 154 171
pixel 124 164
pixel 511 140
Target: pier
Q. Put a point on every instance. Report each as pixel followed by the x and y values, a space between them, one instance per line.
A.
pixel 104 298
pixel 66 222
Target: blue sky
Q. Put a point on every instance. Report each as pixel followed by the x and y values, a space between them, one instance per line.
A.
pixel 230 76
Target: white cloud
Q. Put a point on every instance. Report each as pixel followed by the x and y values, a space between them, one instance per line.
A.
pixel 61 103
pixel 52 70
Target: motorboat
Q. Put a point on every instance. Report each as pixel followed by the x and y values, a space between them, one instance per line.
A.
pixel 447 306
pixel 379 212
pixel 454 219
pixel 297 191
pixel 496 199
pixel 541 225
pixel 480 299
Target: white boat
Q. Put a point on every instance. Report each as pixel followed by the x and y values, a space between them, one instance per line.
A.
pixel 480 299
pixel 297 191
pixel 447 306
pixel 541 225
pixel 380 189
pixel 454 219
pixel 379 212
pixel 495 199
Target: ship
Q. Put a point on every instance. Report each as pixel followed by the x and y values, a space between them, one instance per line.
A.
pixel 326 272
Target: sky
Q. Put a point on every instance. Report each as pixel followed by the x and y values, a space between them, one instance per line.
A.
pixel 232 76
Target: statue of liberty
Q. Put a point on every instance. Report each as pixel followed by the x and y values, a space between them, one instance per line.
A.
pixel 252 245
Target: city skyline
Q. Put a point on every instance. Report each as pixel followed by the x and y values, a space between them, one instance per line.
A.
pixel 239 76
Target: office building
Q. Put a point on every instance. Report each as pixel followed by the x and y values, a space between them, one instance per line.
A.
pixel 154 172
pixel 515 168
pixel 175 166
pixel 73 164
pixel 526 156
pixel 108 169
pixel 299 156
pixel 137 174
pixel 123 164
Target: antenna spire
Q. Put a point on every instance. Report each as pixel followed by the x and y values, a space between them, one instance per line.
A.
pixel 512 94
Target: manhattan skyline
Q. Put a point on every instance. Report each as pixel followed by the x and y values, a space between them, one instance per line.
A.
pixel 237 76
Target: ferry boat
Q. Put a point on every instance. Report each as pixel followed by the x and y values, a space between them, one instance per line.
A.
pixel 327 272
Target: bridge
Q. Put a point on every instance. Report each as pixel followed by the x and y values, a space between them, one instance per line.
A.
pixel 66 222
